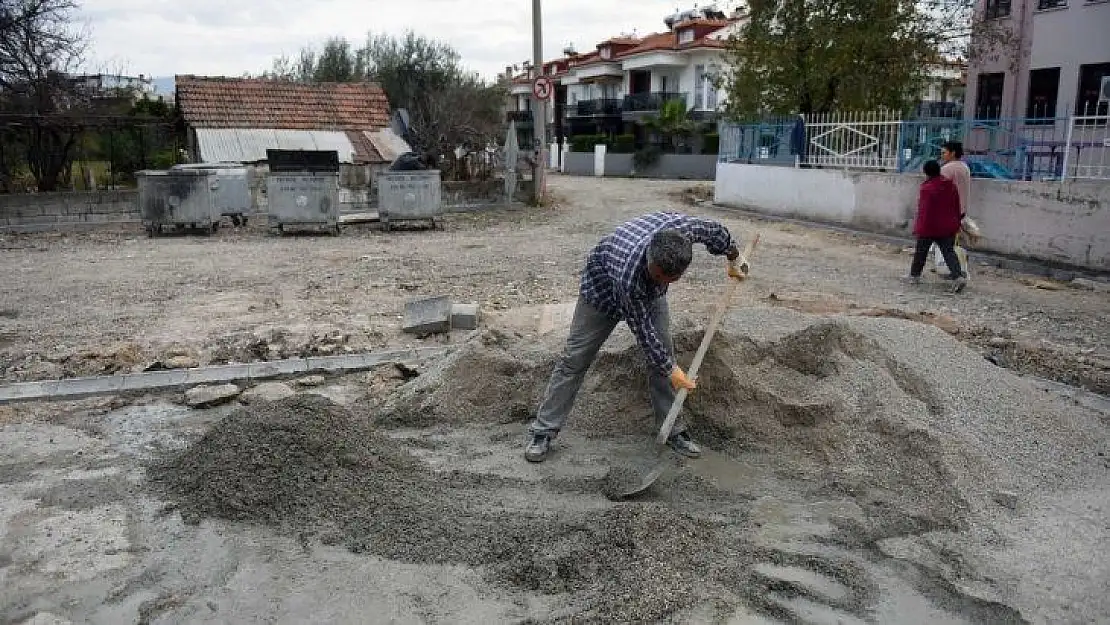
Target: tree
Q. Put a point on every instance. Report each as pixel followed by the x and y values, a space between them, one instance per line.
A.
pixel 39 45
pixel 816 56
pixel 449 108
pixel 672 123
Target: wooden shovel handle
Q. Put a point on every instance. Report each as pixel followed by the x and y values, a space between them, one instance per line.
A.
pixel 692 374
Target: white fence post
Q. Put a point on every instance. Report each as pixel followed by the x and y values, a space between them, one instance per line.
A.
pixel 1067 148
pixel 599 159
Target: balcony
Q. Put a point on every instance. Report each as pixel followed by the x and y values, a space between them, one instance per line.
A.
pixel 603 107
pixel 523 119
pixel 638 104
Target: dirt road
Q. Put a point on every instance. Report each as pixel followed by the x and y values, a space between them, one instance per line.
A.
pixel 857 469
pixel 104 302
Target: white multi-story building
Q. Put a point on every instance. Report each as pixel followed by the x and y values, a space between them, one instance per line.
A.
pixel 624 79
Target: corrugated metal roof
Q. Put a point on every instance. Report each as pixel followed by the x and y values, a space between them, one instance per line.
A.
pixel 389 145
pixel 249 145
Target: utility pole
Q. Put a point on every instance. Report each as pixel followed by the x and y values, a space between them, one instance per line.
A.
pixel 540 110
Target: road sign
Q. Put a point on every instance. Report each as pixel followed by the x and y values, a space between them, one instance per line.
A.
pixel 542 88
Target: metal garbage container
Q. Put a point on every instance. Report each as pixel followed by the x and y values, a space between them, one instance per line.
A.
pixel 177 198
pixel 232 193
pixel 410 196
pixel 302 190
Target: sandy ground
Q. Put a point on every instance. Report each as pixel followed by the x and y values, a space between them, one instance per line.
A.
pixel 104 302
pixel 84 540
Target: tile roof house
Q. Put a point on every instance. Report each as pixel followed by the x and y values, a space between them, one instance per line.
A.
pixel 237 119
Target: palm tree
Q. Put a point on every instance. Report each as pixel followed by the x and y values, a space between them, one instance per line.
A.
pixel 672 123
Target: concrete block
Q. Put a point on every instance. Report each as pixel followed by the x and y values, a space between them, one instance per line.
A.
pixel 207 396
pixel 428 316
pixel 464 316
pixel 266 391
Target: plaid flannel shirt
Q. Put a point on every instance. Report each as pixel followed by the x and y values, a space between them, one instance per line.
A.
pixel 616 281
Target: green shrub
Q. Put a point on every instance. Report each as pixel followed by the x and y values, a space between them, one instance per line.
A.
pixel 586 143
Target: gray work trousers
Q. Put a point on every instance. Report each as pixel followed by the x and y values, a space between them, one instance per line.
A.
pixel 588 331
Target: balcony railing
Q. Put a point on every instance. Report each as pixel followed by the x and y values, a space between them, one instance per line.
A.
pixel 595 108
pixel 520 117
pixel 650 102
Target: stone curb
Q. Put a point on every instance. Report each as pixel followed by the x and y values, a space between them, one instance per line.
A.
pixel 75 388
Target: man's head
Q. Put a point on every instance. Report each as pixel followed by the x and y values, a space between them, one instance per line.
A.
pixel 668 255
pixel 952 151
pixel 932 169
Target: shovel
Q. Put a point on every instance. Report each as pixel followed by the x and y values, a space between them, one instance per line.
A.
pixel 663 460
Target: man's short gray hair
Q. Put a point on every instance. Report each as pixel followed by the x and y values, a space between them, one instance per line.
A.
pixel 671 251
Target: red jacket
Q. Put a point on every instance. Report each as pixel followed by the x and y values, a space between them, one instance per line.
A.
pixel 938 209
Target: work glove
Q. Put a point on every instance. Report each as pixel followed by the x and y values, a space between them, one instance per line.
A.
pixel 680 381
pixel 738 268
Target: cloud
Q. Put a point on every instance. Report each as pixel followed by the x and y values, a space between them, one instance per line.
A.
pixel 216 37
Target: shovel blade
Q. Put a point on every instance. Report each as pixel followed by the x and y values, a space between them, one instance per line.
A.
pixel 645 483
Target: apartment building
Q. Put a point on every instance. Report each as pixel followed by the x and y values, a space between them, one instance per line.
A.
pixel 1052 66
pixel 624 79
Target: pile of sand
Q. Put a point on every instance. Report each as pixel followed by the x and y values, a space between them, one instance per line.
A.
pixel 918 430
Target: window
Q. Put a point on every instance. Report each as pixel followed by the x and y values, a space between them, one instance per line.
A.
pixel 988 99
pixel 997 8
pixel 1043 5
pixel 1044 87
pixel 1090 83
pixel 699 87
pixel 686 35
pixel 606 52
pixel 711 87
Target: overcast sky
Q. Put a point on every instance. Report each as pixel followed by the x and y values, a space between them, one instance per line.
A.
pixel 222 37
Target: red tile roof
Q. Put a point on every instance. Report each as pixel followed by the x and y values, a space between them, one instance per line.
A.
pixel 216 102
pixel 669 40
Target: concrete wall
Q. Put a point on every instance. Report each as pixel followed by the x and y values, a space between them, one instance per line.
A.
pixel 82 208
pixel 579 164
pixel 669 166
pixel 1066 223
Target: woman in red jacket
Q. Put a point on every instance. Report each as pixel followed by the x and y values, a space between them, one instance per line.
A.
pixel 938 221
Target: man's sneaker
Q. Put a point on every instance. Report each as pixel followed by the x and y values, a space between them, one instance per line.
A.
pixel 681 444
pixel 910 279
pixel 536 451
pixel 959 284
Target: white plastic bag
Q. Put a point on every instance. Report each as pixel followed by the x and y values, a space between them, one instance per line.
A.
pixel 970 230
pixel 961 255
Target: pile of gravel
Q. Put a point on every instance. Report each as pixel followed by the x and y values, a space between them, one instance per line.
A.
pixel 314 469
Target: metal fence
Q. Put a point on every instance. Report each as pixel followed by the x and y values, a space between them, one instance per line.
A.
pixel 853 140
pixel 1088 154
pixel 1051 148
pixel 771 142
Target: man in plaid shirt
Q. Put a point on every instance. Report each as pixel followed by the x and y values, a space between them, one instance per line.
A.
pixel 625 279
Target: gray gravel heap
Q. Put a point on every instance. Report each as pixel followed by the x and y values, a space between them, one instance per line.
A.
pixel 315 469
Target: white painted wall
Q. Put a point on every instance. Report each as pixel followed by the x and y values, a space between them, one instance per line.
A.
pixel 1067 223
